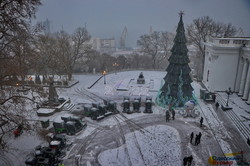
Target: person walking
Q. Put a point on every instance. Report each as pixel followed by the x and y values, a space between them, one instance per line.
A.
pixel 173 113
pixel 248 141
pixel 185 161
pixel 217 105
pixel 213 97
pixel 196 140
pixel 191 137
pixel 190 159
pixel 201 121
pixel 199 138
pixel 167 116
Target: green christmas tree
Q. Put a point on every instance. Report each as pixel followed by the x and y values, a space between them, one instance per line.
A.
pixel 177 88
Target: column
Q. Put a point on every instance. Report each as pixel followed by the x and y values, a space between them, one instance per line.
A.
pixel 243 78
pixel 239 74
pixel 248 101
pixel 247 84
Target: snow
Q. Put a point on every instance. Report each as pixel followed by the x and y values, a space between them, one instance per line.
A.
pixel 124 84
pixel 161 145
pixel 239 107
pixel 20 148
pixel 167 153
pixel 45 111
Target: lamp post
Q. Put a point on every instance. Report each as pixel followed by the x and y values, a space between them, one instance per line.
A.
pixel 104 73
pixel 115 65
pixel 228 92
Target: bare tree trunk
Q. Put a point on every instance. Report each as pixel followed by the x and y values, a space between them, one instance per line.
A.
pixel 69 76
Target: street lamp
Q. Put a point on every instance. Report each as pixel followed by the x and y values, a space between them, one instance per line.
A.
pixel 228 92
pixel 115 65
pixel 104 73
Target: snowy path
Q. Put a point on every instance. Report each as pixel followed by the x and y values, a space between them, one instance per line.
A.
pixel 149 133
pixel 222 129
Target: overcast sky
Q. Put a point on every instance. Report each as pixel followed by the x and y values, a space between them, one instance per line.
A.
pixel 107 18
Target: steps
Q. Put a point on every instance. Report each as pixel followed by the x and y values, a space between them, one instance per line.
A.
pixel 243 129
pixel 68 107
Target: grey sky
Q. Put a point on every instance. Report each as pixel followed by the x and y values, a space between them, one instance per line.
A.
pixel 107 18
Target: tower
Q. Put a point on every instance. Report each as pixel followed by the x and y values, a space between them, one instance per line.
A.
pixel 46 25
pixel 123 38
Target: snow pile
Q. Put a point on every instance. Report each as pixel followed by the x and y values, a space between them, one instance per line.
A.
pixel 158 146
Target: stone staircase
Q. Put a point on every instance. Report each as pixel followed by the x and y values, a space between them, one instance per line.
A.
pixel 69 107
pixel 243 129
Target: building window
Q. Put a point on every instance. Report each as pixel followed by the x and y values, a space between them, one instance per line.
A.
pixel 238 41
pixel 224 41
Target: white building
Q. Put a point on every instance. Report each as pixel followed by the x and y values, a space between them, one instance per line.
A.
pixel 103 45
pixel 227 65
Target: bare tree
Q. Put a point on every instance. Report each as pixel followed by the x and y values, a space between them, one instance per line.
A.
pixel 122 61
pixel 81 47
pixel 100 62
pixel 154 45
pixel 23 50
pixel 203 27
pixel 135 60
pixel 229 30
pixel 14 15
pixel 70 49
pixel 45 57
pixel 14 112
pixel 91 61
pixel 15 49
pixel 166 43
pixel 63 54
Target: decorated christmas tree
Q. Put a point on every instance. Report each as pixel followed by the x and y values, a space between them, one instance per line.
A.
pixel 177 88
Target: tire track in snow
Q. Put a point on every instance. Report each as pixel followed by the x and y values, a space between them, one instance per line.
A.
pixel 122 134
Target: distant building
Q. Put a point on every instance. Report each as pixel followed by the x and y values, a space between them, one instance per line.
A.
pixel 124 53
pixel 46 26
pixel 227 64
pixel 103 45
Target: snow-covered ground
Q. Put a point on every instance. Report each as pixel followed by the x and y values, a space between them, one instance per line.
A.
pixel 159 144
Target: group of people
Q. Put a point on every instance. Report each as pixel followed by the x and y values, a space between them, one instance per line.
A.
pixel 197 139
pixel 170 110
pixel 187 161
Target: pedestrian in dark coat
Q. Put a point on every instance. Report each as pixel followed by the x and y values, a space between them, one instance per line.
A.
pixel 200 134
pixel 173 113
pixel 199 138
pixel 196 139
pixel 201 121
pixel 213 97
pixel 217 105
pixel 191 137
pixel 185 161
pixel 167 116
pixel 190 159
pixel 248 141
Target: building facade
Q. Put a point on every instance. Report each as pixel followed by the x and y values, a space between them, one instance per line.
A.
pixel 103 45
pixel 227 65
